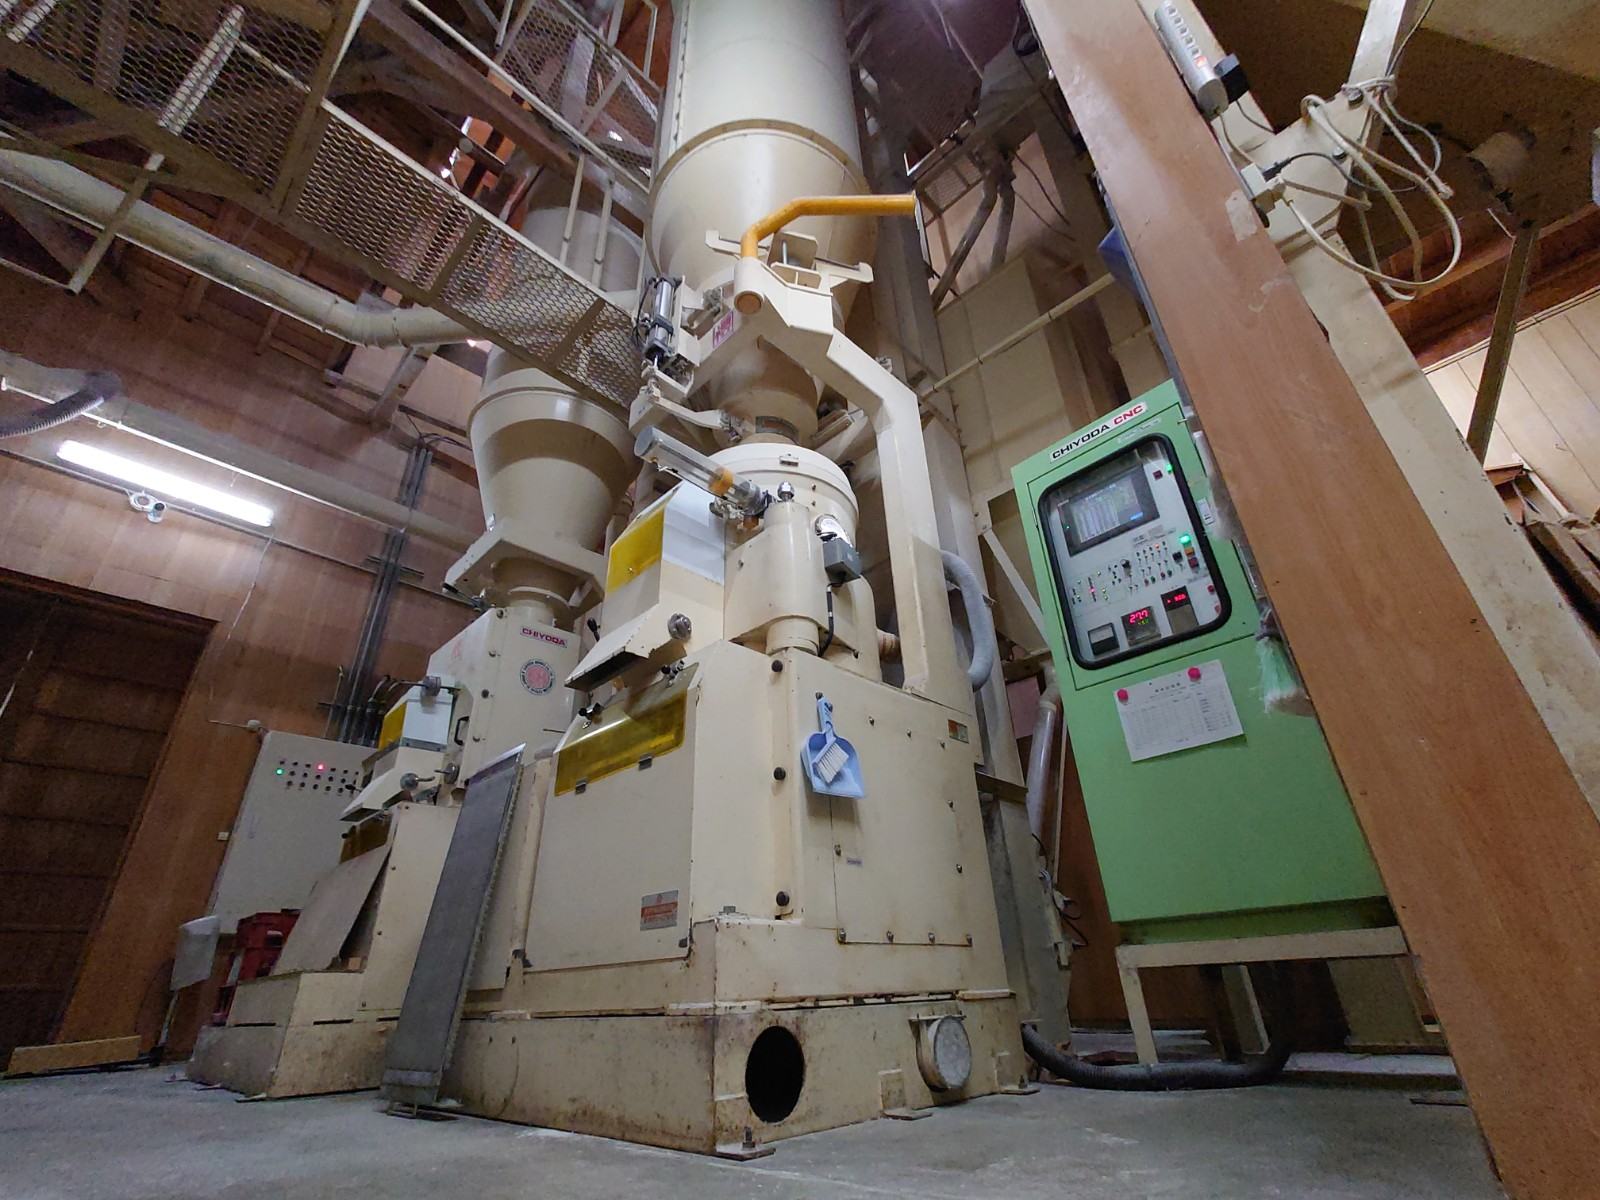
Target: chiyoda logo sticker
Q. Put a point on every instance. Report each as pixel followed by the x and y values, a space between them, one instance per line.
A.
pixel 1089 435
pixel 538 677
pixel 542 636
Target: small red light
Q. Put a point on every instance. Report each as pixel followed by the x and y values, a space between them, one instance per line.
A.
pixel 322 766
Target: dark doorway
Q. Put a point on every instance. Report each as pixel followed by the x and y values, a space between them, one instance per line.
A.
pixel 89 687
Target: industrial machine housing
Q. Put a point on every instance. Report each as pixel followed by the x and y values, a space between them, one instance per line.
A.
pixel 1213 817
pixel 676 860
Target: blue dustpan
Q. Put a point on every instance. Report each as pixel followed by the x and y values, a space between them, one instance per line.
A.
pixel 831 763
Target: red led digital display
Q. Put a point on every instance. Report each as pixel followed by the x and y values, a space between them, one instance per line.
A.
pixel 1139 616
pixel 1177 598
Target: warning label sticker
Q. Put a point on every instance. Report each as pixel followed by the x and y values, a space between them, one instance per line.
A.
pixel 659 910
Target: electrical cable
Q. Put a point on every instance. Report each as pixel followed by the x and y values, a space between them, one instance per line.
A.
pixel 827 641
pixel 1276 168
pixel 1376 96
pixel 1045 192
pixel 1400 47
pixel 1244 114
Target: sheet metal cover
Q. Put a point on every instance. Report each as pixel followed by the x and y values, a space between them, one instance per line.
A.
pixel 419 1049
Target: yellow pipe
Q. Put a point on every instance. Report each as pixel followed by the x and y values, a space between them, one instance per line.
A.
pixel 824 206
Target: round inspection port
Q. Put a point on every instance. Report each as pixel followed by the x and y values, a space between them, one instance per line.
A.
pixel 774 1074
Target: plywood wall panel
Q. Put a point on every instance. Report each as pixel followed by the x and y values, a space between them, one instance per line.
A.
pixel 285 606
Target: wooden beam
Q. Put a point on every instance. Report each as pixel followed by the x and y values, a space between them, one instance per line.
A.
pixel 471 91
pixel 1515 285
pixel 62 243
pixel 1488 847
pixel 66 1056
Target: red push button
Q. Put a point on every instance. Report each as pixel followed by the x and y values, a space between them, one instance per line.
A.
pixel 1194 672
pixel 1122 695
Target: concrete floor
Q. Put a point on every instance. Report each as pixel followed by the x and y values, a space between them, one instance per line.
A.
pixel 134 1134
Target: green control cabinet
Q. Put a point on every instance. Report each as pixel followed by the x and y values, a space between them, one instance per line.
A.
pixel 1212 817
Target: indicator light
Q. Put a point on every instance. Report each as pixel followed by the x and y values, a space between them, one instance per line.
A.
pixel 279 771
pixel 322 766
pixel 1185 540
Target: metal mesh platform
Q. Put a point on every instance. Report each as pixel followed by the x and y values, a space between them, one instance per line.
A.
pixel 234 96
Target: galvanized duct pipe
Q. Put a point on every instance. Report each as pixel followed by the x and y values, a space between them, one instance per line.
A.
pixel 82 195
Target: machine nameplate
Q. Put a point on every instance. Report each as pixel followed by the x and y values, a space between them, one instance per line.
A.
pixel 1187 708
pixel 659 910
pixel 1100 430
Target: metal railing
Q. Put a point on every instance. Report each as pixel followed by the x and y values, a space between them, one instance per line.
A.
pixel 249 82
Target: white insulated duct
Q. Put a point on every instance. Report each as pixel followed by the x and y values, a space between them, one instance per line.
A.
pixel 82 195
pixel 758 111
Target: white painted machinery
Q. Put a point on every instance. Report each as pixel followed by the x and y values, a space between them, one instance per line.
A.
pixel 746 895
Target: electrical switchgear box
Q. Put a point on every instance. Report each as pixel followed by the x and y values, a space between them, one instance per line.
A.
pixel 287 833
pixel 1212 817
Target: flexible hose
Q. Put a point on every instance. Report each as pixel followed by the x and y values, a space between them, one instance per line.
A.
pixel 980 622
pixel 1167 1077
pixel 98 387
pixel 1041 757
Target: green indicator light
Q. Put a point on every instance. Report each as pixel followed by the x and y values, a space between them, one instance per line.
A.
pixel 1185 540
pixel 279 771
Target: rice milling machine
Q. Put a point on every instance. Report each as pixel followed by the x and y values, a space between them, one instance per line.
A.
pixel 725 883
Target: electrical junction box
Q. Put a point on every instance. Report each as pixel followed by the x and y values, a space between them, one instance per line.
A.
pixel 1211 816
pixel 287 833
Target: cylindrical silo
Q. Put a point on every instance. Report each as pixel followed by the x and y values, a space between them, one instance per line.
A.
pixel 758 111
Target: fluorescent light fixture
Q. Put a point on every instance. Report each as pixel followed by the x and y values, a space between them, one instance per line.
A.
pixel 164 483
pixel 613 135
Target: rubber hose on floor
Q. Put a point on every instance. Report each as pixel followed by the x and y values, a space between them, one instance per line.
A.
pixel 1166 1077
pixel 98 387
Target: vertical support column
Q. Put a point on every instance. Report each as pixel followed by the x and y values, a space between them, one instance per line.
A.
pixel 900 296
pixel 1467 802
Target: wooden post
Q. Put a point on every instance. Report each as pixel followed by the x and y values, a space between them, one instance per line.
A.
pixel 1489 851
pixel 1518 268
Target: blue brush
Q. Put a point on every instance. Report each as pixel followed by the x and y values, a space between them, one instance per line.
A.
pixel 831 763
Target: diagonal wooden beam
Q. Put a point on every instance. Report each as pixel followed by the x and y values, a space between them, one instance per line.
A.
pixel 64 244
pixel 471 91
pixel 1487 845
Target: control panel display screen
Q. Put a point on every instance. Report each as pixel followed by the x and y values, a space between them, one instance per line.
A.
pixel 1107 509
pixel 1133 567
